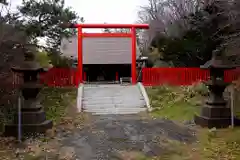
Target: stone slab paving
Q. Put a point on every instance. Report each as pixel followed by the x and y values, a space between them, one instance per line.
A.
pixel 108 135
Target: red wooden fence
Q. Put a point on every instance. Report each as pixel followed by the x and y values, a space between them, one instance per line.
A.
pixel 181 76
pixel 232 75
pixel 59 77
pixel 54 77
pixel 62 77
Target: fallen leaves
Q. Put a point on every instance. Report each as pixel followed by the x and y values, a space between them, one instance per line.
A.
pixel 57 102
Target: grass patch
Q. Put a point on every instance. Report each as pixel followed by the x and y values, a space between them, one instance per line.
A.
pixel 56 101
pixel 181 103
pixel 176 103
pixel 219 144
pixel 223 144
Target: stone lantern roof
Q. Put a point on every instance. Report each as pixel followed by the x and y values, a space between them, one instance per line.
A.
pixel 29 63
pixel 219 62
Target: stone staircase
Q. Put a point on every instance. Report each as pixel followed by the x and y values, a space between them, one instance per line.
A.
pixel 112 99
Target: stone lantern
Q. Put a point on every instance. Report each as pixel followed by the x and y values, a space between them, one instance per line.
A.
pixel 141 63
pixel 33 119
pixel 215 112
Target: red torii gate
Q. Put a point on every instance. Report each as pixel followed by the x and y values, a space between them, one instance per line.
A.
pixel 132 35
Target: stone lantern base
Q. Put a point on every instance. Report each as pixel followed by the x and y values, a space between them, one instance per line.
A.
pixel 33 121
pixel 215 112
pixel 219 117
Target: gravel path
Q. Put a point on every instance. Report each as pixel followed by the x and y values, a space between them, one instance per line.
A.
pixel 109 135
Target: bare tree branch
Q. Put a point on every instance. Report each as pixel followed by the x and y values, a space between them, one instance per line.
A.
pixel 166 17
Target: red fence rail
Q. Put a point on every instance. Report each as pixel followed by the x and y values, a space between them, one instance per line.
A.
pixel 232 75
pixel 54 77
pixel 59 77
pixel 181 76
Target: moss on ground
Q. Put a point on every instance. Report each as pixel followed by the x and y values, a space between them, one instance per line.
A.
pixel 180 104
pixel 56 100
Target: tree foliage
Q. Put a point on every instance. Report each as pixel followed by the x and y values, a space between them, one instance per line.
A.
pixel 4 2
pixel 42 19
pixel 33 21
pixel 116 30
pixel 187 32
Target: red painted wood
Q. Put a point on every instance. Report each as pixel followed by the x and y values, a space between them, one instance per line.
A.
pixel 85 76
pixel 134 54
pixel 231 75
pixel 64 77
pixel 59 77
pixel 117 76
pixel 181 76
pixel 105 35
pixel 139 26
pixel 80 58
pixel 173 76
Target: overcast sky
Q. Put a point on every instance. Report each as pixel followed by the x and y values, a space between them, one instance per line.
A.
pixel 100 11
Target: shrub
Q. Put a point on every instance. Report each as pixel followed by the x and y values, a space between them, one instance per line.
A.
pixel 61 61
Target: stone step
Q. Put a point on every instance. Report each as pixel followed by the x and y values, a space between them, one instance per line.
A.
pixel 114 106
pixel 115 110
pixel 110 94
pixel 124 105
pixel 107 86
pixel 120 88
pixel 115 113
pixel 110 99
pixel 107 101
pixel 113 94
pixel 110 87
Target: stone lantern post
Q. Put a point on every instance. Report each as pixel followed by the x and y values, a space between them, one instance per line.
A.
pixel 33 119
pixel 215 112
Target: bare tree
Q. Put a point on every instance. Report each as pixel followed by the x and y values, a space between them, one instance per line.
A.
pixel 166 17
pixel 9 26
pixel 11 37
pixel 231 29
pixel 4 2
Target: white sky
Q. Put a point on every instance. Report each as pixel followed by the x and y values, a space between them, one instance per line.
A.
pixel 102 11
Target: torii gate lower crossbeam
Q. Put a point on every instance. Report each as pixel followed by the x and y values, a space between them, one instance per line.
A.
pixel 132 34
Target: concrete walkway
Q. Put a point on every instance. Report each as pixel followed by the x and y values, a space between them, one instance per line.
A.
pixel 116 131
pixel 119 137
pixel 112 99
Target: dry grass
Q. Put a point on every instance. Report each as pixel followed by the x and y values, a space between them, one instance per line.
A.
pixel 180 104
pixel 60 106
pixel 184 101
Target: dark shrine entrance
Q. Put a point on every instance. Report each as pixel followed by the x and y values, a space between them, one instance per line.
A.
pixel 108 73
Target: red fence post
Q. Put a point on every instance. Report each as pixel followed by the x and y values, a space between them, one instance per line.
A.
pixel 117 76
pixel 85 76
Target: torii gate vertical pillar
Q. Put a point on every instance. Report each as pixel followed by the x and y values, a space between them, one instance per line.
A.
pixel 133 28
pixel 80 57
pixel 134 55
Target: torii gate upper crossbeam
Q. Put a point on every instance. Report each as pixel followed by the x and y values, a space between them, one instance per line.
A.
pixel 137 26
